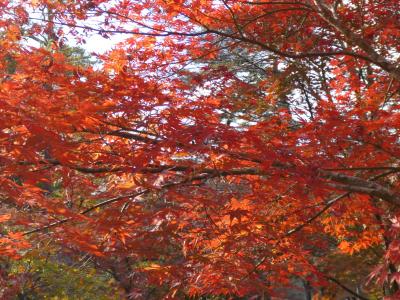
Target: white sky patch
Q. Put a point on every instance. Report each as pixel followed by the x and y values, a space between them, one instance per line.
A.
pixel 98 44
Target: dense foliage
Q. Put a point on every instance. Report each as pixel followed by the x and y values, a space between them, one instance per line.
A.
pixel 223 148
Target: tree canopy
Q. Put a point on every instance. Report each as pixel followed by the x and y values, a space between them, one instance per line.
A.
pixel 220 147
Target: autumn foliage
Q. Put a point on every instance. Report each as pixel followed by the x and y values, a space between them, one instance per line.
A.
pixel 218 148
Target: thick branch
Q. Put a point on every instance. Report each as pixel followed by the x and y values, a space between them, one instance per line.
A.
pixel 354 39
pixel 203 176
pixel 360 185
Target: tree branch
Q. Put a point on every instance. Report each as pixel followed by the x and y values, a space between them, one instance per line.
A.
pixel 359 185
pixel 347 289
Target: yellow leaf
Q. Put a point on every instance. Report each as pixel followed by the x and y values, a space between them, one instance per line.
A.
pixel 152 267
pixel 4 218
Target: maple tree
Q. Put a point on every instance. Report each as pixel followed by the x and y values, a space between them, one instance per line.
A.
pixel 221 148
